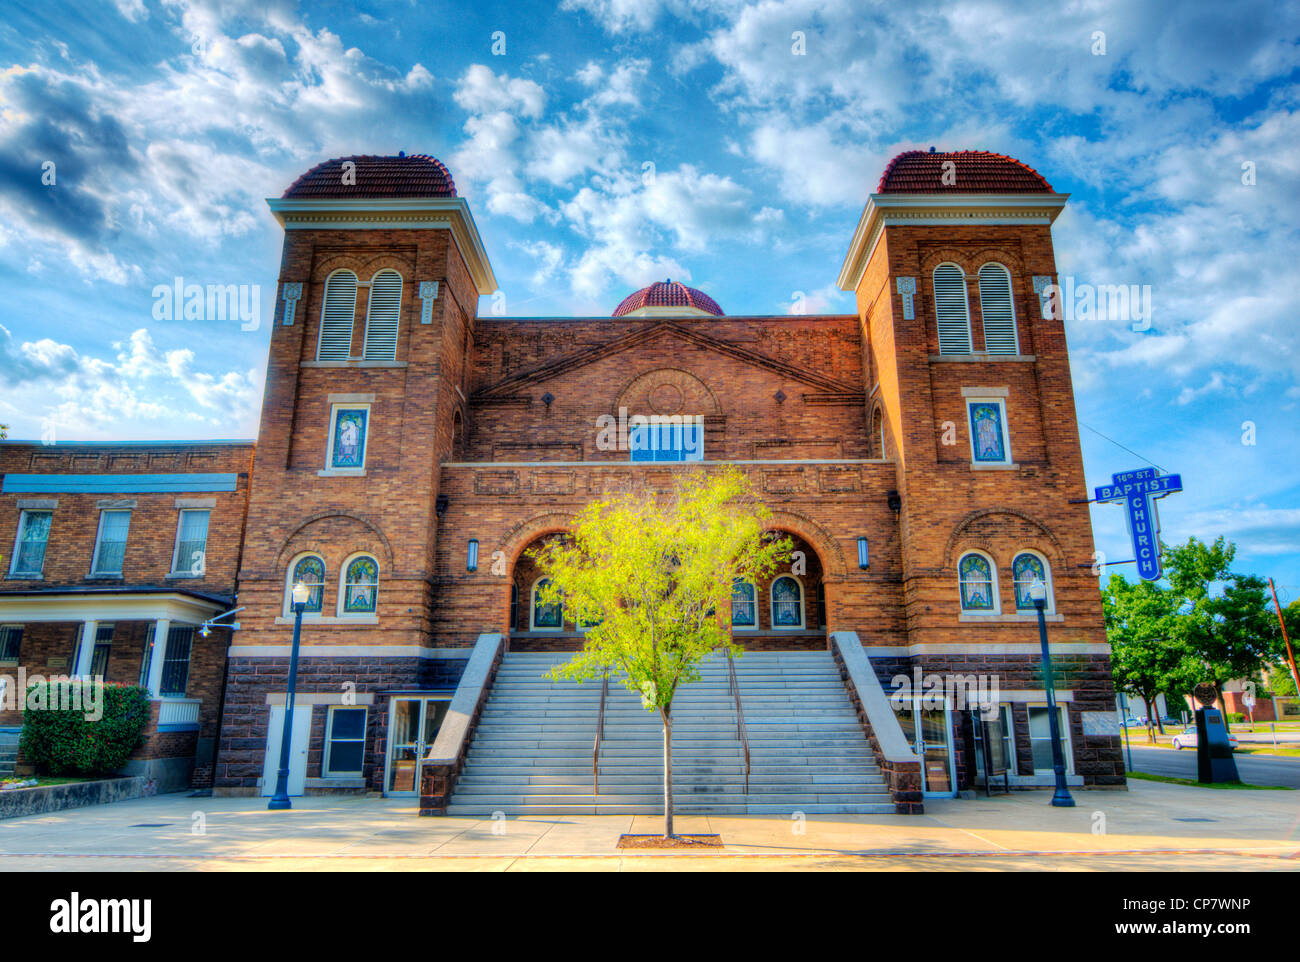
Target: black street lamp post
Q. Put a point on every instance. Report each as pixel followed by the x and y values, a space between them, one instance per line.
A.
pixel 1061 797
pixel 280 800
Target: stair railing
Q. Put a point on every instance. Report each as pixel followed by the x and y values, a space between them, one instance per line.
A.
pixel 741 732
pixel 600 734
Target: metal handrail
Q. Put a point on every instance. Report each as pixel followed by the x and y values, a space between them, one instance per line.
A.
pixel 600 734
pixel 741 732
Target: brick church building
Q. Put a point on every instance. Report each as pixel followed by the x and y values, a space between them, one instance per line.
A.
pixel 921 453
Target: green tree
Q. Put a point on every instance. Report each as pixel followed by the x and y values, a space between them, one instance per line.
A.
pixel 1231 632
pixel 653 577
pixel 1146 656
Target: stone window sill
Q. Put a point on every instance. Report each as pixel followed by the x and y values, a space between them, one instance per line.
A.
pixel 1016 619
pixel 112 577
pixel 20 576
pixel 183 574
pixel 983 466
pixel 984 358
pixel 331 621
pixel 353 362
pixel 341 473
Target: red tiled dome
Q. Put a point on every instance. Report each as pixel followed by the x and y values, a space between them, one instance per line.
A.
pixel 668 293
pixel 418 175
pixel 977 172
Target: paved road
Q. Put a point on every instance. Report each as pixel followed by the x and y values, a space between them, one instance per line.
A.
pixel 1254 770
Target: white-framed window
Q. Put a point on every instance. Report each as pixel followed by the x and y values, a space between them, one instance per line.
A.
pixel 337 314
pixel 383 313
pixel 951 309
pixel 176 661
pixel 987 420
pixel 345 742
pixel 147 658
pixel 11 642
pixel 110 541
pixel 345 450
pixel 359 588
pixel 1027 566
pixel 544 616
pixel 189 558
pixel 787 602
pixel 1040 737
pixel 1000 728
pixel 669 438
pixel 977 584
pixel 997 310
pixel 29 545
pixel 744 604
pixel 310 570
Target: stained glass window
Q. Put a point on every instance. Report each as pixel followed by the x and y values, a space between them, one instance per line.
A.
pixel 988 444
pixel 349 447
pixel 361 586
pixel 311 572
pixel 787 603
pixel 1024 570
pixel 976 583
pixel 546 615
pixel 744 606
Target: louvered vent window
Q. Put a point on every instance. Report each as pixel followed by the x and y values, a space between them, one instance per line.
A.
pixel 997 311
pixel 951 309
pixel 336 317
pixel 381 316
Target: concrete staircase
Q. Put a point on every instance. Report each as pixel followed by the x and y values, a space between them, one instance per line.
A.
pixel 8 752
pixel 531 751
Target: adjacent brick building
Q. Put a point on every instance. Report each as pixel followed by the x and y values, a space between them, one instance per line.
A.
pixel 922 454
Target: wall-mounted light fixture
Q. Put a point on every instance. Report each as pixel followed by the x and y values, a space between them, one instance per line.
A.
pixel 440 505
pixel 471 556
pixel 894 501
pixel 864 560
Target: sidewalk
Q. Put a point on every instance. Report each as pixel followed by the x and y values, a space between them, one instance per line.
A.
pixel 1151 826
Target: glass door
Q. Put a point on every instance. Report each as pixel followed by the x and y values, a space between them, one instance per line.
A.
pixel 929 728
pixel 413 726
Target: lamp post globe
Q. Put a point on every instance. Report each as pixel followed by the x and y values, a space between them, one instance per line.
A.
pixel 1061 797
pixel 280 800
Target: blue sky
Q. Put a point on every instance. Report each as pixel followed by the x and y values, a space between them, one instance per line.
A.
pixel 170 121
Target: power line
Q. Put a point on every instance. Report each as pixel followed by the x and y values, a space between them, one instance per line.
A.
pixel 1118 445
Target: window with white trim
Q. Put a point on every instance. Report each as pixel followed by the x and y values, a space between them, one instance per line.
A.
pixel 1027 566
pixel 337 314
pixel 190 556
pixel 744 604
pixel 951 309
pixel 29 547
pixel 110 541
pixel 787 602
pixel 310 570
pixel 977 582
pixel 103 646
pixel 1040 738
pixel 997 310
pixel 360 594
pixel 176 661
pixel 545 616
pixel 345 450
pixel 987 420
pixel 383 312
pixel 1001 733
pixel 345 742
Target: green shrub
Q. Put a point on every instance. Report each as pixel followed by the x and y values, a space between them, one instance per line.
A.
pixel 1235 716
pixel 61 741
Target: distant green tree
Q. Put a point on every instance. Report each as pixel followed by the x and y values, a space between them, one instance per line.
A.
pixel 1147 657
pixel 1230 632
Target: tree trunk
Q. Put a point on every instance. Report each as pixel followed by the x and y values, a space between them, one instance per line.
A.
pixel 666 714
pixel 1151 735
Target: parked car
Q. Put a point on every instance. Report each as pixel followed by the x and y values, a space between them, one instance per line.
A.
pixel 1169 720
pixel 1132 722
pixel 1187 738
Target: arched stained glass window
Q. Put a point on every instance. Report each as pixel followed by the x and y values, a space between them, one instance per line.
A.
pixel 361 586
pixel 311 572
pixel 976 576
pixel 1024 570
pixel 787 603
pixel 744 605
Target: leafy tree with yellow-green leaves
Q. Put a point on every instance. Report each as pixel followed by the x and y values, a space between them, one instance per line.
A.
pixel 652 577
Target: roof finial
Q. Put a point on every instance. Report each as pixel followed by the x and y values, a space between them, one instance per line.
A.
pixel 932 149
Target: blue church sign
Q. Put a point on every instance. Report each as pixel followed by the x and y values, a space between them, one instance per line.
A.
pixel 1138 491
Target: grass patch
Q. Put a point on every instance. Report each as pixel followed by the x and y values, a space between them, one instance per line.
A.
pixel 1257 749
pixel 1170 780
